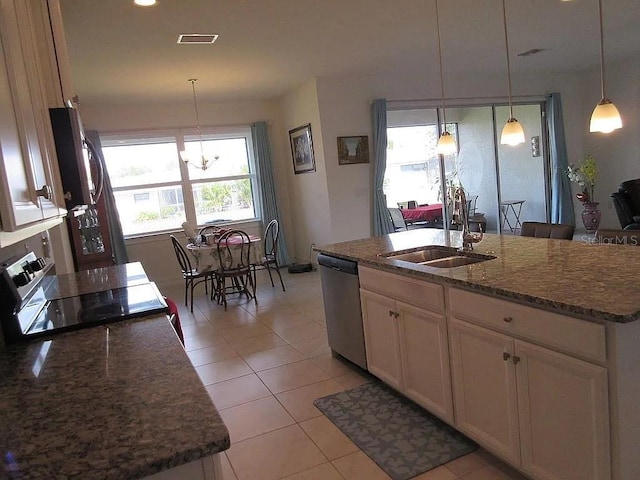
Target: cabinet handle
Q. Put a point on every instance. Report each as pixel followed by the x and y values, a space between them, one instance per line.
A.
pixel 516 359
pixel 508 319
pixel 391 313
pixel 506 356
pixel 396 315
pixel 46 192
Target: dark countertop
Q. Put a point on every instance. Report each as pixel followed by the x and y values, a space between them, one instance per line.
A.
pixel 579 278
pixel 110 402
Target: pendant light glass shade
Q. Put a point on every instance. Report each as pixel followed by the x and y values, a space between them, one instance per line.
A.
pixel 446 144
pixel 605 117
pixel 512 133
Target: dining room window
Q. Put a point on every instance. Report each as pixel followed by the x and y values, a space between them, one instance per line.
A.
pixel 155 191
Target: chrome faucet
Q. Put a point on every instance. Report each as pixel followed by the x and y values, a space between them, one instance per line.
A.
pixel 468 237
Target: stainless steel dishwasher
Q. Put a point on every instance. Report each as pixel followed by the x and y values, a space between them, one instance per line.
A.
pixel 341 294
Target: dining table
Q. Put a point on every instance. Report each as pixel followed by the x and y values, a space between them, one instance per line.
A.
pixel 206 254
pixel 425 213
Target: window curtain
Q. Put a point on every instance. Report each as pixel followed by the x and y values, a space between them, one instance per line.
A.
pixel 561 201
pixel 118 248
pixel 381 219
pixel 268 186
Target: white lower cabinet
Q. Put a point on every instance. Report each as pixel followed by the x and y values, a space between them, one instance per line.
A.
pixel 539 409
pixel 381 338
pixel 407 348
pixel 484 388
pixel 564 415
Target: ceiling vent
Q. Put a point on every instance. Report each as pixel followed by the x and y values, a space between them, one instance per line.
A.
pixel 197 38
pixel 533 51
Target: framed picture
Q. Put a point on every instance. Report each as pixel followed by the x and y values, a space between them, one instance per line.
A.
pixel 353 150
pixel 302 149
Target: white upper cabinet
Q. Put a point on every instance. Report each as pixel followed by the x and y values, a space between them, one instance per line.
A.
pixel 28 167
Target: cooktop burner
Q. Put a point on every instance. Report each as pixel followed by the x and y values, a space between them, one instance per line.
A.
pixel 97 308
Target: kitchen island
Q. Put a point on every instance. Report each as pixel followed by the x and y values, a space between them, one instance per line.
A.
pixel 533 352
pixel 114 401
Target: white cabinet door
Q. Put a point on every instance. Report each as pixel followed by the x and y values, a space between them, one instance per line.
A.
pixel 484 387
pixel 381 338
pixel 425 355
pixel 25 137
pixel 563 406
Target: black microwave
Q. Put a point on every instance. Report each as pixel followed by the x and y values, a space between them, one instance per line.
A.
pixel 80 169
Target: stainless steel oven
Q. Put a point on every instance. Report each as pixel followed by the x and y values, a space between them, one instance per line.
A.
pixel 29 308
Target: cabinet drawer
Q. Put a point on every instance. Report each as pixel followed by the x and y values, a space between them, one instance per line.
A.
pixel 572 335
pixel 415 292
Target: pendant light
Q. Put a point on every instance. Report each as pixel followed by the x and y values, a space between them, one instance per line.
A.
pixel 204 162
pixel 512 133
pixel 446 143
pixel 605 117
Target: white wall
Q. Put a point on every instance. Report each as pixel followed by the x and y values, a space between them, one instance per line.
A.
pixel 349 186
pixel 308 192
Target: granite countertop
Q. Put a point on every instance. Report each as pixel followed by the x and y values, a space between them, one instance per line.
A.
pixel 110 402
pixel 96 280
pixel 580 278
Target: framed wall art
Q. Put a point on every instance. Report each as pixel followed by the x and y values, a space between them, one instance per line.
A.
pixel 302 149
pixel 353 150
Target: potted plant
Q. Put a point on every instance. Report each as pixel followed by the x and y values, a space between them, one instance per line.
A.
pixel 585 176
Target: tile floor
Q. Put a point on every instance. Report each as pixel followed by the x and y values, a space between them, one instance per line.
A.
pixel 263 366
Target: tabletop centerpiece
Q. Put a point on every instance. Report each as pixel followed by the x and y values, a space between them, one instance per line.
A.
pixel 585 176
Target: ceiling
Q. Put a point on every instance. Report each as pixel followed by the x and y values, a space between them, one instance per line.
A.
pixel 123 53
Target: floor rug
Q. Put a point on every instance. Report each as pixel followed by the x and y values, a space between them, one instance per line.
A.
pixel 401 437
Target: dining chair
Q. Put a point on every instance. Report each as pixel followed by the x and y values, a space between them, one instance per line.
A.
pixel 397 219
pixel 209 229
pixel 557 231
pixel 234 255
pixel 190 275
pixel 270 259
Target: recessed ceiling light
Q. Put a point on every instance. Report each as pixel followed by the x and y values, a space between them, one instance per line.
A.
pixel 197 38
pixel 144 3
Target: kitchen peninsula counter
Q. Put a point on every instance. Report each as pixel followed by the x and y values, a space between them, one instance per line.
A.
pixel 533 354
pixel 109 402
pixel 579 278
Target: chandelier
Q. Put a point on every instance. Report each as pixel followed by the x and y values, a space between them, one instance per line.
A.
pixel 203 162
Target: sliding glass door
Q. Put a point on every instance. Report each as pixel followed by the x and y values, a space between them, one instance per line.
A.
pixel 523 173
pixel 504 185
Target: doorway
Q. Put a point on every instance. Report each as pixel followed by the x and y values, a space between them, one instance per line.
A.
pixel 506 185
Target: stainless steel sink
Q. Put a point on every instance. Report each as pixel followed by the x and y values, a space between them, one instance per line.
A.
pixel 456 261
pixel 426 254
pixel 439 257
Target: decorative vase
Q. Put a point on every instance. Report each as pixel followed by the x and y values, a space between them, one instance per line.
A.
pixel 591 216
